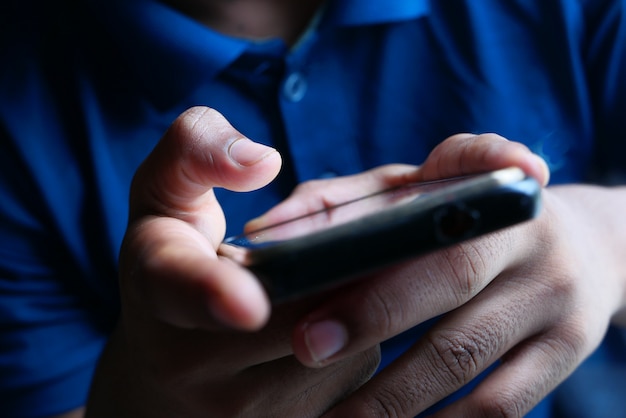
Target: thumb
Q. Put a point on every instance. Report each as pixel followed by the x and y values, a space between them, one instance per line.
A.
pixel 200 151
pixel 168 261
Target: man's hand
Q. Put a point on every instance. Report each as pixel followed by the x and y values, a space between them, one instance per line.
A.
pixel 538 297
pixel 182 346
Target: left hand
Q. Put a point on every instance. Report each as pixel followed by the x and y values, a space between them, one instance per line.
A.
pixel 538 296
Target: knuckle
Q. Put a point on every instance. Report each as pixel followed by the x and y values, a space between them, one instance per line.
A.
pixel 578 340
pixel 385 313
pixel 567 346
pixel 466 269
pixel 500 406
pixel 183 142
pixel 457 356
pixel 389 402
pixel 187 124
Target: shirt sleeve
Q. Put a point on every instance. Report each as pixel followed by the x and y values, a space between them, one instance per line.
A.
pixel 49 341
pixel 53 320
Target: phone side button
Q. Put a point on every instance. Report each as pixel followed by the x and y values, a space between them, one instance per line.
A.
pixel 455 222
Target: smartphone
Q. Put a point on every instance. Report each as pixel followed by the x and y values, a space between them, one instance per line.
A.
pixel 326 248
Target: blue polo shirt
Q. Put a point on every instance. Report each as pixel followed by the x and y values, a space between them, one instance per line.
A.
pixel 88 87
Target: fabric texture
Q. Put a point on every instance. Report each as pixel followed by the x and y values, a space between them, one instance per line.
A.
pixel 88 88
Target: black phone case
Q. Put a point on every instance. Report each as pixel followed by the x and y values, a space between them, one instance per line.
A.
pixel 299 266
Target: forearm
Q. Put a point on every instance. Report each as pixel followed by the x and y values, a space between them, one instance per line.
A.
pixel 596 223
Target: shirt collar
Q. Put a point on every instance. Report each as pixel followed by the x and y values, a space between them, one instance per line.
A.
pixel 171 53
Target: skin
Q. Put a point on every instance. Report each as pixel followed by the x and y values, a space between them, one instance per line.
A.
pixel 196 328
pixel 539 297
pixel 181 347
pixel 175 351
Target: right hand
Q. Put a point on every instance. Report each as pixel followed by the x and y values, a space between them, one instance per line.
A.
pixel 183 345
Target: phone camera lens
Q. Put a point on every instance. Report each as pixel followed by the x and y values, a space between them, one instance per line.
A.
pixel 455 222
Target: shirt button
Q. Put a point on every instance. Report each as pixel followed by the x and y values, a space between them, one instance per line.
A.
pixel 294 87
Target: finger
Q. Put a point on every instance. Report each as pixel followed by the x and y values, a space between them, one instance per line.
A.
pixel 470 154
pixel 422 289
pixel 279 388
pixel 297 391
pixel 317 195
pixel 525 376
pixel 459 155
pixel 464 344
pixel 394 300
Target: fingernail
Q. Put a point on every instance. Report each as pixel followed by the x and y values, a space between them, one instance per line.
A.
pixel 324 339
pixel 246 152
